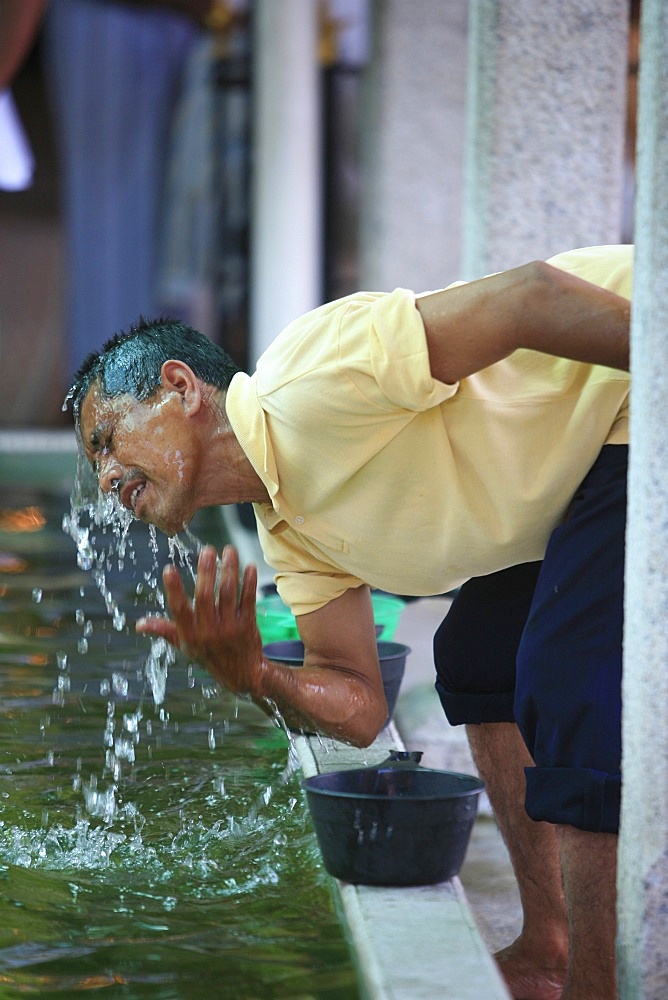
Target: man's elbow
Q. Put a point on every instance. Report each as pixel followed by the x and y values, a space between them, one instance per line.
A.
pixel 363 728
pixel 545 281
pixel 538 274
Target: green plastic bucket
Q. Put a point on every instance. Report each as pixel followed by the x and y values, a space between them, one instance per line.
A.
pixel 386 613
pixel 277 624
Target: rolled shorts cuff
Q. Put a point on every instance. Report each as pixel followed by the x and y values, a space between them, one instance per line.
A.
pixel 580 797
pixel 461 708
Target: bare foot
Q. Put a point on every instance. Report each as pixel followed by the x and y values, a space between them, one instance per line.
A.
pixel 529 979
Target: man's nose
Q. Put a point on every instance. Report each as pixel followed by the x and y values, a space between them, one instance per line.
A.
pixel 110 473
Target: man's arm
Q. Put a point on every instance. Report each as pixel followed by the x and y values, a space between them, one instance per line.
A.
pixel 338 691
pixel 340 650
pixel 535 306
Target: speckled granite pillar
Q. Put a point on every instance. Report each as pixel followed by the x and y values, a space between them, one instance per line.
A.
pixel 413 145
pixel 643 862
pixel 545 136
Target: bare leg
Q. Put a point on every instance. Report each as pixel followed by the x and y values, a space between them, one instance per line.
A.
pixel 589 865
pixel 535 965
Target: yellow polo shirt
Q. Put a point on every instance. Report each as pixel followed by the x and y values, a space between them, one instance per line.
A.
pixel 380 474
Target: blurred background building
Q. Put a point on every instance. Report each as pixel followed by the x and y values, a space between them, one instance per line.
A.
pixel 237 163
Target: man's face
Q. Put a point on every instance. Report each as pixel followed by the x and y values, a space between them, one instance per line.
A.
pixel 145 451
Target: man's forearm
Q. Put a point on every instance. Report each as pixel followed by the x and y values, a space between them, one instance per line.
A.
pixel 571 318
pixel 317 699
pixel 535 306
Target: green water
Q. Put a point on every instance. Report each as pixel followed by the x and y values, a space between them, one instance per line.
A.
pixel 146 850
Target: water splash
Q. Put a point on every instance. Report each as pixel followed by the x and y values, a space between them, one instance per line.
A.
pixel 101 530
pixel 142 859
pixel 83 846
pixel 156 668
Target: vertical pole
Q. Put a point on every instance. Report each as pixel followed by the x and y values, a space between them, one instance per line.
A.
pixel 643 848
pixel 286 238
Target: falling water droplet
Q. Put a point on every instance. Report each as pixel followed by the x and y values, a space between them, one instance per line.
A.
pixel 119 683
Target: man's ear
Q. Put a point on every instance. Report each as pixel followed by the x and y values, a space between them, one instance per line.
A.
pixel 177 376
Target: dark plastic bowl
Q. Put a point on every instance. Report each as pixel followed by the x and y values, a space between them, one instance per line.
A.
pixel 393 825
pixel 392 656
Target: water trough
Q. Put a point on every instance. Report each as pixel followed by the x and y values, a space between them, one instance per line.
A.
pixel 417 942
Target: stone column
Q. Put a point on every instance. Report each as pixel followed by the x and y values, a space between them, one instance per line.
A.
pixel 544 160
pixel 286 238
pixel 643 849
pixel 412 145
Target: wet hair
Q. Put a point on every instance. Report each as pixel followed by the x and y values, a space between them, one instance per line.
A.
pixel 130 362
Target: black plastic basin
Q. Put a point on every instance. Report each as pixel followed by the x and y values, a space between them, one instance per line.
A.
pixel 395 824
pixel 392 656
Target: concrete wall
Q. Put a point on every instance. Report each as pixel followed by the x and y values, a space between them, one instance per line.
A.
pixel 413 145
pixel 544 161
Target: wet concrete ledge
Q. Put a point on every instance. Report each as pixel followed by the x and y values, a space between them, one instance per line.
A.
pixel 38 458
pixel 415 943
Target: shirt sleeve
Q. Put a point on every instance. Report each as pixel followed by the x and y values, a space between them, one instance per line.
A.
pixel 399 356
pixel 304 579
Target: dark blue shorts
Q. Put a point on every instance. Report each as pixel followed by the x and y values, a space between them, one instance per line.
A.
pixel 541 644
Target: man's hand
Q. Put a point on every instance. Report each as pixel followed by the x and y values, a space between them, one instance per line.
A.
pixel 218 627
pixel 338 691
